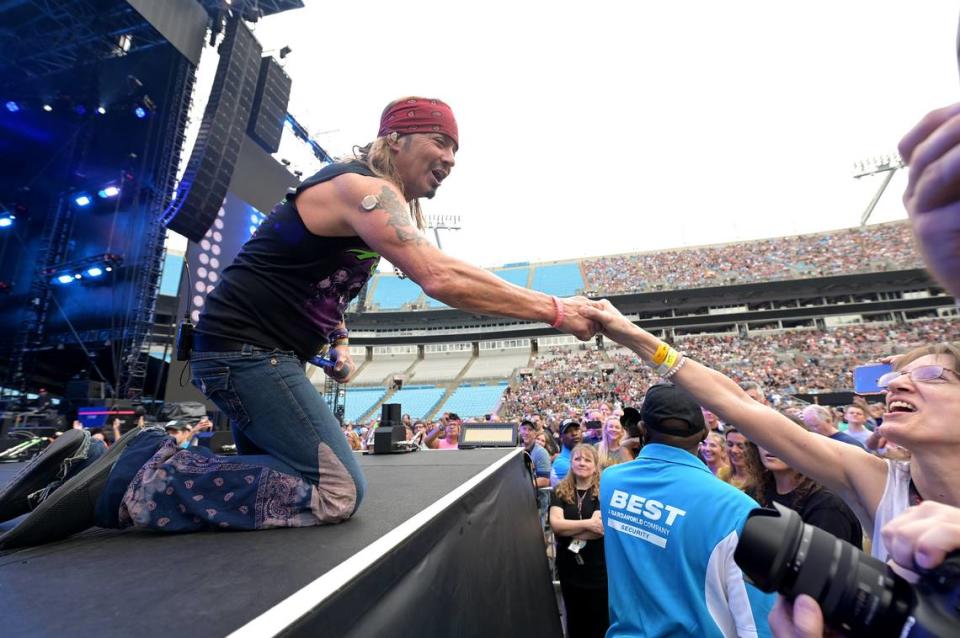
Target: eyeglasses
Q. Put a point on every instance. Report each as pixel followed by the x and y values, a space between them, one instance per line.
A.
pixel 921 374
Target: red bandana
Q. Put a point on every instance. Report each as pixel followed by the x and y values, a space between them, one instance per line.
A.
pixel 419 115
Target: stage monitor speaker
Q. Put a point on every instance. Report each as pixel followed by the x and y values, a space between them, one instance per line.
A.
pixel 207 176
pixel 390 431
pixel 269 105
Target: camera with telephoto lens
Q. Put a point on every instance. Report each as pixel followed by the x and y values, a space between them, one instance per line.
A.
pixel 858 594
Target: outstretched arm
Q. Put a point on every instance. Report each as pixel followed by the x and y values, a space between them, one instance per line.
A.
pixel 389 230
pixel 857 476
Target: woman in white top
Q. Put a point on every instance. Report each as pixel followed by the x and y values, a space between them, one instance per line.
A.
pixel 922 407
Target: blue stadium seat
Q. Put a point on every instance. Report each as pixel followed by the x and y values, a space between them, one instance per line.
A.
pixel 393 293
pixel 417 400
pixel 359 401
pixel 562 280
pixel 516 276
pixel 470 402
pixel 433 303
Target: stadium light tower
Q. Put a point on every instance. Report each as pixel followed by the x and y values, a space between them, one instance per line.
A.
pixel 442 222
pixel 885 164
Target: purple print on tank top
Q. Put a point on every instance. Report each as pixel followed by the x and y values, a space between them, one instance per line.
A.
pixel 332 293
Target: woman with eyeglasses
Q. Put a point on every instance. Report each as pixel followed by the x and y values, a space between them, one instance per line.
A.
pixel 922 408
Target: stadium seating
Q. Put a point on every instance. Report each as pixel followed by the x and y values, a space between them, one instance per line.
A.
pixel 470 402
pixel 440 368
pixel 562 280
pixel 417 401
pixel 376 371
pixel 516 276
pixel 392 293
pixel 497 365
pixel 359 401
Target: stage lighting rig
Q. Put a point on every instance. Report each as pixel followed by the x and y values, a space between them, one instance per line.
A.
pixel 91 268
pixel 6 218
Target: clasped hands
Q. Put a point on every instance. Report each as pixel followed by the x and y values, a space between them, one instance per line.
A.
pixel 585 318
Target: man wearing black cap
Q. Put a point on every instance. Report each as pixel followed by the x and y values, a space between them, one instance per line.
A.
pixel 671 528
pixel 570 435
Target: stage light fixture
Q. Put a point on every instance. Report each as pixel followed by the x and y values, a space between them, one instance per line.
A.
pixel 89 268
pixel 6 221
pixel 101 110
pixel 12 106
pixel 82 200
pixel 47 108
pixel 108 191
pixel 140 112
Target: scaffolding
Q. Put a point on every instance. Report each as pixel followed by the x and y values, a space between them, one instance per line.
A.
pixel 138 337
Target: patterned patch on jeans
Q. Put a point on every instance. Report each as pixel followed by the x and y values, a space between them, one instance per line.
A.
pixel 223 492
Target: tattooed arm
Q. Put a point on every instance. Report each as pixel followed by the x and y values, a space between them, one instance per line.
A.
pixel 388 229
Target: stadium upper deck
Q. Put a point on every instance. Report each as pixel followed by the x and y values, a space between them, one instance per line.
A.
pixel 871 249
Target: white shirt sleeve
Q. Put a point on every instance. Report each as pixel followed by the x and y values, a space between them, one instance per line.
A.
pixel 726 594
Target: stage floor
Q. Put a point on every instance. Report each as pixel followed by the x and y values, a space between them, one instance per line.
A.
pixel 125 583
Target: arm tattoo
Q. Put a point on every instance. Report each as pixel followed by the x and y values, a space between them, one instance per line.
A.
pixel 398 216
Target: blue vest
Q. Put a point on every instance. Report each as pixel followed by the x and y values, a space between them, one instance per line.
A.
pixel 670 530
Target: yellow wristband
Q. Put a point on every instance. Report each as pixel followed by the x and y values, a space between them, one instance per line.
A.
pixel 672 356
pixel 660 354
pixel 340 342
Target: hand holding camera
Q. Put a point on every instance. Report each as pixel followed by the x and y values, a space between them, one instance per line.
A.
pixel 856 593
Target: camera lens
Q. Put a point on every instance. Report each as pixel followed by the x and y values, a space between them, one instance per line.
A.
pixel 857 593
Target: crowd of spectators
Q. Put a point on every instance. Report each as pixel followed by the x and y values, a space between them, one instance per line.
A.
pixel 786 362
pixel 876 248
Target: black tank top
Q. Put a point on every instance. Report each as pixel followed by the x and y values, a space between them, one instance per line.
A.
pixel 288 288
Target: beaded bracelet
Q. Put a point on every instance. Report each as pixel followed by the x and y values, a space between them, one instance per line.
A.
pixel 676 368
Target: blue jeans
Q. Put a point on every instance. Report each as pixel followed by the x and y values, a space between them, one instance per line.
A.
pixel 294 467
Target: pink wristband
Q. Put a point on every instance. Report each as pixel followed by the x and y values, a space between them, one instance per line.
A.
pixel 560 316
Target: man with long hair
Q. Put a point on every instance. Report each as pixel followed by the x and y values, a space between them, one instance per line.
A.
pixel 279 303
